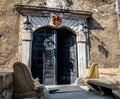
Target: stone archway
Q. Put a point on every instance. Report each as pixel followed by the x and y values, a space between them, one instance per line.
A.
pixel 41 17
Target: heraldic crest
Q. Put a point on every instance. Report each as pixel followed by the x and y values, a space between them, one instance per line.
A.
pixel 56 20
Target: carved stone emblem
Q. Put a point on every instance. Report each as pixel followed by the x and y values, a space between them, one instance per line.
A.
pixel 56 20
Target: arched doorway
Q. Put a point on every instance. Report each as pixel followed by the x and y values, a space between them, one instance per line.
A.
pixel 54 57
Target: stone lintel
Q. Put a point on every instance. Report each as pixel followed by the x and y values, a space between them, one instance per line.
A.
pixel 45 11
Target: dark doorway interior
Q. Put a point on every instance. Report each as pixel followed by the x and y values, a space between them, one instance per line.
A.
pixel 66 57
pixel 54 59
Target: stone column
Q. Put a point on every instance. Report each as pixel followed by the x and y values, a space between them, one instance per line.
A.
pixel 82 62
pixel 26 44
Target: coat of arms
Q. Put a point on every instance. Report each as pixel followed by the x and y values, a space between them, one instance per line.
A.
pixel 56 20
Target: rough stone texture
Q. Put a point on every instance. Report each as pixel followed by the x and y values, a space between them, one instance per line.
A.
pixel 9 27
pixel 6 85
pixel 104 41
pixel 112 74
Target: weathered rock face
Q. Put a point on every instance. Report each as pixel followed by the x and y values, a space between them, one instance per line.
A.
pixel 9 27
pixel 104 41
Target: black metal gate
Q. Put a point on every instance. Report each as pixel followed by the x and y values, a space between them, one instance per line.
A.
pixel 54 60
pixel 43 56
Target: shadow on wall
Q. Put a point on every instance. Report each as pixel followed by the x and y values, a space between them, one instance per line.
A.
pixel 94 25
pixel 101 45
pixel 102 48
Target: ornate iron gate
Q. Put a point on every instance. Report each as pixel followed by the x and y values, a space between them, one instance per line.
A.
pixel 43 56
pixel 54 60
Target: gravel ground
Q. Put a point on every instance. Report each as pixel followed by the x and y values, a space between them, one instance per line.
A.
pixel 81 94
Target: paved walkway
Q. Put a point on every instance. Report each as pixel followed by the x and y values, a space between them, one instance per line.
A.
pixel 73 94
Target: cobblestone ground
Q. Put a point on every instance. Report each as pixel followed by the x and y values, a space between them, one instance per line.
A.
pixel 82 94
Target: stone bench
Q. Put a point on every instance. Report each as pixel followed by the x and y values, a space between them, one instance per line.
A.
pixel 116 93
pixel 25 86
pixel 104 86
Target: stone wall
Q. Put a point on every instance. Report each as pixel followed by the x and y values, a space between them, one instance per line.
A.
pixel 112 74
pixel 104 41
pixel 9 27
pixel 104 37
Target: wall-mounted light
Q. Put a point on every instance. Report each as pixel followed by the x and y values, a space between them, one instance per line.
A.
pixel 1 36
pixel 27 24
pixel 85 28
pixel 69 3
